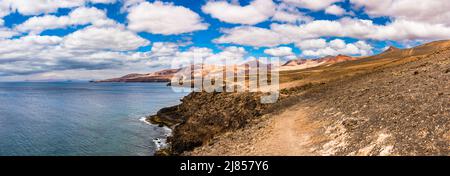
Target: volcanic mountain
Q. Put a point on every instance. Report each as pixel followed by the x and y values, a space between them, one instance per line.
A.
pixel 391 49
pixel 336 59
pixel 159 76
pixel 166 75
pixel 309 63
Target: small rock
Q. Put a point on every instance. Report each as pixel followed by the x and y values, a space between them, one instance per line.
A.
pixel 350 124
pixel 416 72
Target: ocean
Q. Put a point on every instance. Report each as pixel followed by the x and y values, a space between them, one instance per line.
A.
pixel 81 119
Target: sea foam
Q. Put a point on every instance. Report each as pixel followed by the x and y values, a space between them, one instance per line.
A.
pixel 160 143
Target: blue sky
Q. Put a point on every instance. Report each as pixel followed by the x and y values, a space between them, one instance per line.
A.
pixel 95 39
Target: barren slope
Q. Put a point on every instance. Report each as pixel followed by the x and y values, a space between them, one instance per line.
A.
pixel 397 104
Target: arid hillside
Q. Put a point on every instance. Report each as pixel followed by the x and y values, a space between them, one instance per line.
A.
pixel 390 58
pixel 159 76
pixel 212 69
pixel 395 103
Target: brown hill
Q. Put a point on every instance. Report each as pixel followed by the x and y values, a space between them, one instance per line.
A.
pixel 166 75
pixel 336 59
pixel 308 63
pixel 391 49
pixel 296 62
pixel 159 76
pixel 421 50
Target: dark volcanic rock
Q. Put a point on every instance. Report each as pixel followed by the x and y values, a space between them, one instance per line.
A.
pixel 203 115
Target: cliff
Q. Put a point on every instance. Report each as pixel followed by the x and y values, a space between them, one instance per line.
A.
pixel 201 116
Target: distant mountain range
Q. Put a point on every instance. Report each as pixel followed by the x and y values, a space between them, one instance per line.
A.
pixel 309 63
pixel 166 75
pixel 159 76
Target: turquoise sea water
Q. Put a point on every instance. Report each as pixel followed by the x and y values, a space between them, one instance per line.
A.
pixel 81 118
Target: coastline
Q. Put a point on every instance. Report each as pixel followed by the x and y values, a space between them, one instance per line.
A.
pixel 162 145
pixel 202 116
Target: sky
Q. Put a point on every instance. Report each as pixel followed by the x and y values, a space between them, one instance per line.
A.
pixel 97 39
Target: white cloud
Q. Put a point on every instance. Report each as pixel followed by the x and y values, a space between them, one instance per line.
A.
pixel 430 11
pixel 103 1
pixel 312 44
pixel 4 9
pixel 257 11
pixel 126 4
pixel 110 38
pixel 252 36
pixel 79 16
pixel 163 49
pixel 37 7
pixel 279 52
pixel 163 18
pixel 399 30
pixel 338 46
pixel 164 53
pixel 35 54
pixel 229 55
pixel 191 53
pixel 290 14
pixel 7 33
pixel 142 63
pixel 31 43
pixel 335 10
pixel 311 4
pixel 87 43
pixel 409 30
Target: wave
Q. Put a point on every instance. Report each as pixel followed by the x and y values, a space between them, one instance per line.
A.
pixel 160 143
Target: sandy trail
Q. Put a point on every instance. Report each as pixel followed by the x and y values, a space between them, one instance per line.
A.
pixel 291 134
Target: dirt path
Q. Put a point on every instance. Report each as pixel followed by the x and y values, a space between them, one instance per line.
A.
pixel 290 133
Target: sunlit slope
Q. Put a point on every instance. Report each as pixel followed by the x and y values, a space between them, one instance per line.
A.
pixel 389 58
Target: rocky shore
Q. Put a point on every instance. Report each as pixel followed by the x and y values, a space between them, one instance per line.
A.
pixel 201 116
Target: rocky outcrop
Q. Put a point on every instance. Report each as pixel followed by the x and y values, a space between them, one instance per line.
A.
pixel 201 116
